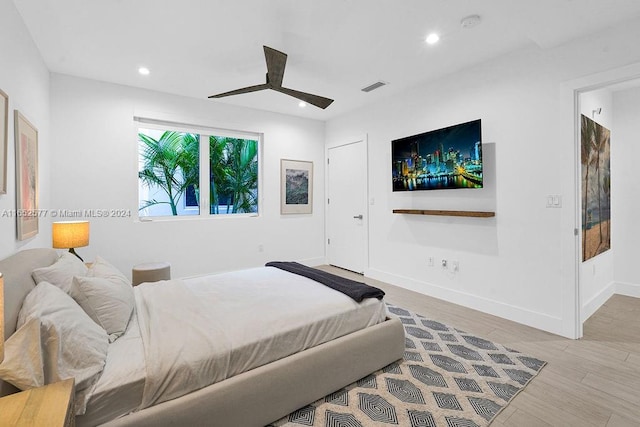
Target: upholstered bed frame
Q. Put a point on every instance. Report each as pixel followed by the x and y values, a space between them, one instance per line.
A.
pixel 253 398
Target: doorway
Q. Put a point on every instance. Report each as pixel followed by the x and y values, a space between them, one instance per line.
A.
pixel 594 279
pixel 347 213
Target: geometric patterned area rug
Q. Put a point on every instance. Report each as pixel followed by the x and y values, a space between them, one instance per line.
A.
pixel 447 378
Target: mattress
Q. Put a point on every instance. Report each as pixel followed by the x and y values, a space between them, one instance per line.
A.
pixel 265 313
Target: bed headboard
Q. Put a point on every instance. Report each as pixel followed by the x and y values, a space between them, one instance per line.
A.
pixel 16 271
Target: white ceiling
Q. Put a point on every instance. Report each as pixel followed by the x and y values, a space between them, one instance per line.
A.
pixel 198 48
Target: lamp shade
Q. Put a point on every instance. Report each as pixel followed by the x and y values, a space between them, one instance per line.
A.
pixel 70 234
pixel 1 318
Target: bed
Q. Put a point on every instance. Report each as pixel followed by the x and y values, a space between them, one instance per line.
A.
pixel 252 392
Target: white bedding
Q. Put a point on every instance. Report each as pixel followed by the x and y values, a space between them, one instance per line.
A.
pixel 119 389
pixel 201 330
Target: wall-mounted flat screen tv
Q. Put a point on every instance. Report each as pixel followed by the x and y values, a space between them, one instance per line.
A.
pixel 440 159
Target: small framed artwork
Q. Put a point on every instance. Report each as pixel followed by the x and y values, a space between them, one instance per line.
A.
pixel 296 186
pixel 4 136
pixel 26 136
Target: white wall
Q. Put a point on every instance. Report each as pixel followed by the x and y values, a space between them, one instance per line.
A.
pixel 95 163
pixel 625 152
pixel 597 273
pixel 24 77
pixel 520 264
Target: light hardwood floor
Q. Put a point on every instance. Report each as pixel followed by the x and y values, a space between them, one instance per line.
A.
pixel 594 381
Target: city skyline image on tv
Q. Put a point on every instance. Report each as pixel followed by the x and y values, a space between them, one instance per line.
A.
pixel 445 158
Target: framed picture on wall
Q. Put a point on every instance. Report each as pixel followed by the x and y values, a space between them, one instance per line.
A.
pixel 26 136
pixel 4 135
pixel 595 146
pixel 296 186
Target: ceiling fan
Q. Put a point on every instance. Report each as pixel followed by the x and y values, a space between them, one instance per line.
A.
pixel 276 62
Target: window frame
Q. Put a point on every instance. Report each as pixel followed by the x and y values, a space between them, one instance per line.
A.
pixel 205 132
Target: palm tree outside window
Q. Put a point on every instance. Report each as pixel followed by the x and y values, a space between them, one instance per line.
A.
pixel 175 167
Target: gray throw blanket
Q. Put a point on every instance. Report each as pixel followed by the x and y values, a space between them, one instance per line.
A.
pixel 356 290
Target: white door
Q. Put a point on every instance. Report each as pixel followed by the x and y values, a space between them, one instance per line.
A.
pixel 347 206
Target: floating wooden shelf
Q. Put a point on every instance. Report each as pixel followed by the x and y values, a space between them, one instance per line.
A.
pixel 476 214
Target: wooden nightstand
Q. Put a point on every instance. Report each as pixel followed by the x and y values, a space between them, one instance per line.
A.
pixel 51 405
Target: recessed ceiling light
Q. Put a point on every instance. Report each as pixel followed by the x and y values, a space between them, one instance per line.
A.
pixel 432 38
pixel 302 104
pixel 144 71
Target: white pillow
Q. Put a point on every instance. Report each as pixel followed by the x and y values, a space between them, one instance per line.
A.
pixel 61 272
pixel 60 342
pixel 109 302
pixel 101 268
pixel 106 295
pixel 23 359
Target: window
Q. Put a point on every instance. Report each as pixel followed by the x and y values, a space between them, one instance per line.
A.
pixel 204 172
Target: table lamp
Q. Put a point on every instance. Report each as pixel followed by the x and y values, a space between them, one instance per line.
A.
pixel 70 235
pixel 1 318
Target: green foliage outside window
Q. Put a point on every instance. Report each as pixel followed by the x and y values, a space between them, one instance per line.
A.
pixel 170 164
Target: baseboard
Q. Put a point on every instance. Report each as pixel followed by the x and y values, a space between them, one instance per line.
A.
pixel 619 288
pixel 628 289
pixel 517 314
pixel 597 301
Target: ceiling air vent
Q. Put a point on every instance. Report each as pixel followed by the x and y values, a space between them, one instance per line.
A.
pixel 373 86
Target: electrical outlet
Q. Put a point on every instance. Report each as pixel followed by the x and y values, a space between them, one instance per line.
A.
pixel 444 263
pixel 455 265
pixel 554 201
pixel 260 248
pixel 430 261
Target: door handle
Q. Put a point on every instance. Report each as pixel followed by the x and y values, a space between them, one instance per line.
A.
pixel 358 216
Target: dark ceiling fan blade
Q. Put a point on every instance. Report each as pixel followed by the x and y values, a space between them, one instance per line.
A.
pixel 243 90
pixel 309 98
pixel 276 61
